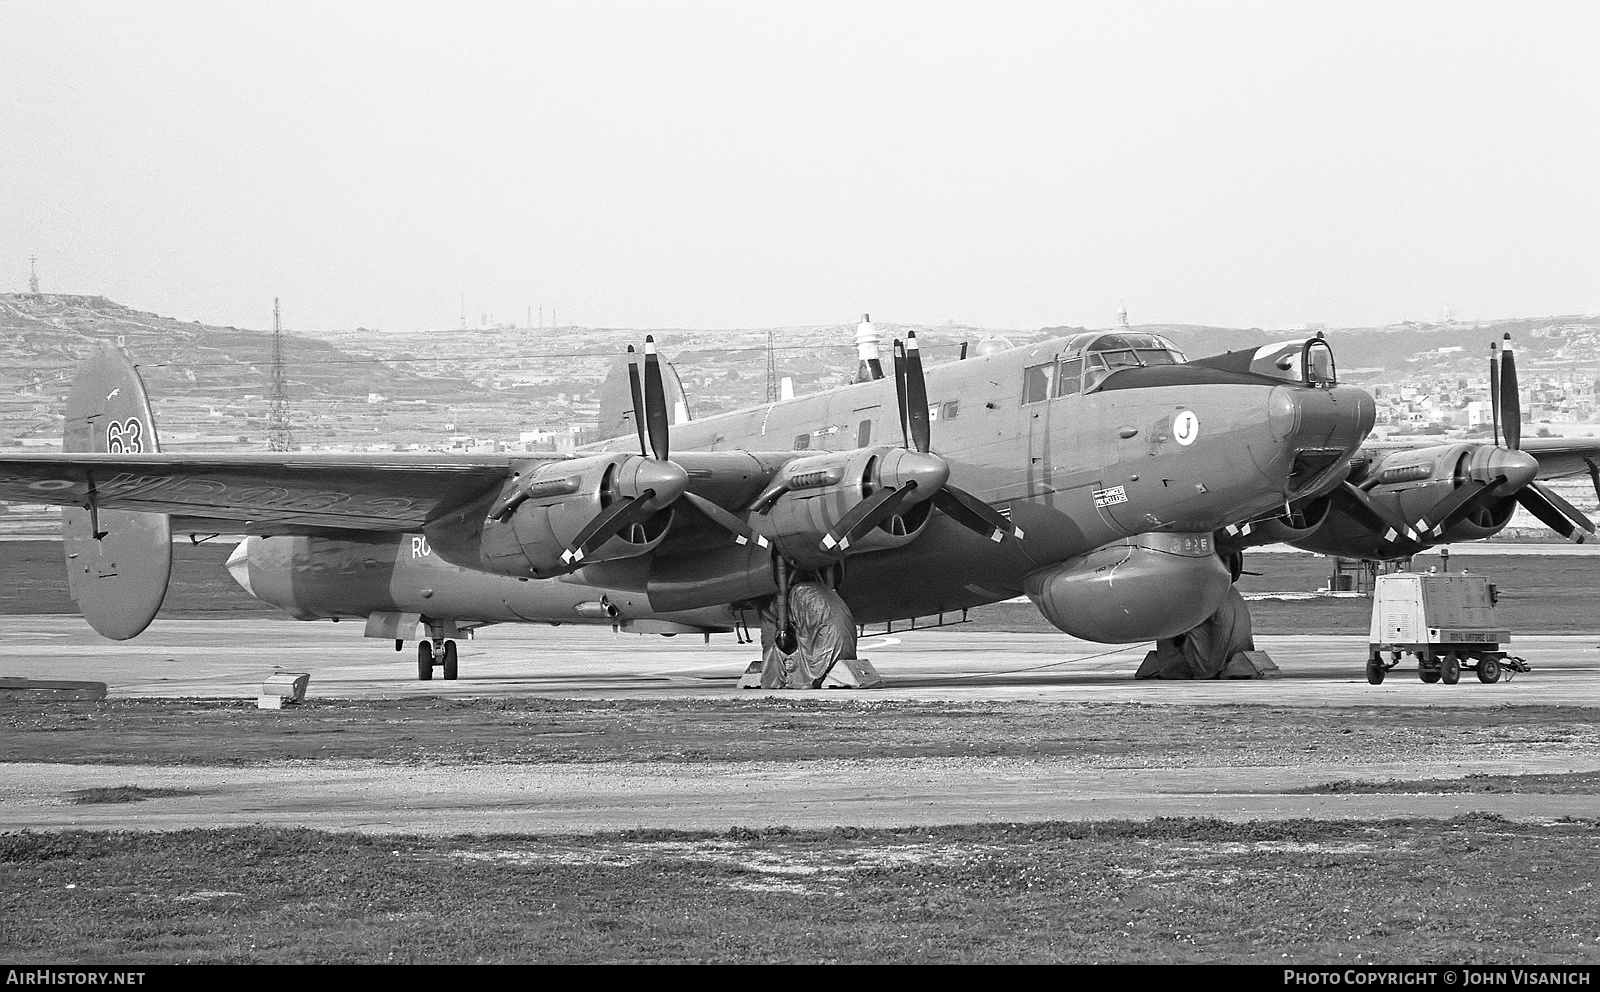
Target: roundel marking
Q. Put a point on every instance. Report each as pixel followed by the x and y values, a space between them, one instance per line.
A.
pixel 1185 427
pixel 50 485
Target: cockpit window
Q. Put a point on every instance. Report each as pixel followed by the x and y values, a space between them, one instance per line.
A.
pixel 1090 357
pixel 1103 354
pixel 1152 356
pixel 1036 382
pixel 1070 378
pixel 1318 363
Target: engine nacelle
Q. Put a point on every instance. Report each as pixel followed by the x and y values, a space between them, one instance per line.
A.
pixel 542 509
pixel 1409 486
pixel 1139 589
pixel 821 489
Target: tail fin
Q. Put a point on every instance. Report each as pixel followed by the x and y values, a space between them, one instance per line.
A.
pixel 118 561
pixel 616 402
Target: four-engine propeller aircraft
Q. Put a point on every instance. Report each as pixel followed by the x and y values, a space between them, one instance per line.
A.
pixel 1096 474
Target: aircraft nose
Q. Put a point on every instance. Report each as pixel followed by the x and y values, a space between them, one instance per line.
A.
pixel 239 565
pixel 927 470
pixel 1323 419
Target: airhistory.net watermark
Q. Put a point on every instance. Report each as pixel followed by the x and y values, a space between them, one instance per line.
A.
pixel 59 976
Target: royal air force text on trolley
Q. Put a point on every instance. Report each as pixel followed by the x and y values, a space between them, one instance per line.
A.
pixel 1511 976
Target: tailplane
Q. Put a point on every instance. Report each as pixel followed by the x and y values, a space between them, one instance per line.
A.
pixel 118 561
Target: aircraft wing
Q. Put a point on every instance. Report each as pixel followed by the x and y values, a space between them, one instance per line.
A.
pixel 280 492
pixel 1561 457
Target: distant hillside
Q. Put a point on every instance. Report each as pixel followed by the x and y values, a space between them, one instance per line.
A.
pixel 43 337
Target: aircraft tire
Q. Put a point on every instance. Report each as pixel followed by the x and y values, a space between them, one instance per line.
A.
pixel 450 661
pixel 424 661
pixel 1488 670
pixel 1450 669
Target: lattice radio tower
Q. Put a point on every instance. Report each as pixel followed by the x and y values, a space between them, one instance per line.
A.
pixel 278 436
pixel 772 368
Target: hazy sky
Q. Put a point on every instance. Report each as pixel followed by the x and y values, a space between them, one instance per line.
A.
pixel 755 163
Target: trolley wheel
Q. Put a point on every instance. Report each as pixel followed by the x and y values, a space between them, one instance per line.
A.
pixel 450 661
pixel 1426 674
pixel 424 660
pixel 1375 670
pixel 1450 669
pixel 1488 669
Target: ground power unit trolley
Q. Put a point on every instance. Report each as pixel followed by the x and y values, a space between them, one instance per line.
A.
pixel 1446 620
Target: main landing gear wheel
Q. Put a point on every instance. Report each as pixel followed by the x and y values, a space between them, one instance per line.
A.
pixel 1488 670
pixel 424 660
pixel 1450 669
pixel 449 661
pixel 1375 670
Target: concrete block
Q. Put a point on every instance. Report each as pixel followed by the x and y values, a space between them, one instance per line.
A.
pixel 286 687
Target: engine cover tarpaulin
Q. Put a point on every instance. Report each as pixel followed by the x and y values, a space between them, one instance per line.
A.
pixel 1209 650
pixel 824 629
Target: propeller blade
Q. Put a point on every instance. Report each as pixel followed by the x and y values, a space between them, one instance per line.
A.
pixel 900 389
pixel 1494 388
pixel 1455 506
pixel 638 399
pixel 1594 475
pixel 655 400
pixel 975 515
pixel 1510 398
pixel 727 521
pixel 1556 513
pixel 608 523
pixel 1376 519
pixel 866 515
pixel 916 396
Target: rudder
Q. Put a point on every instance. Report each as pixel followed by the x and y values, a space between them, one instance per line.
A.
pixel 118 561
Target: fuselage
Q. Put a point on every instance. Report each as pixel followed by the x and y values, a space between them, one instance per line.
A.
pixel 1077 463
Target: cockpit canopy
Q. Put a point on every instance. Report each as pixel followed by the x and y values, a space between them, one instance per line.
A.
pixel 1088 358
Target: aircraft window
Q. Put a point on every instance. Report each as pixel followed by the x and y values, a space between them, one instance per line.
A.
pixel 1152 356
pixel 1069 380
pixel 951 409
pixel 802 442
pixel 1095 369
pixel 1319 362
pixel 864 434
pixel 1036 382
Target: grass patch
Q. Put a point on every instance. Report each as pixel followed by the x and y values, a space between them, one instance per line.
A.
pixel 1477 889
pixel 545 730
pixel 1573 783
